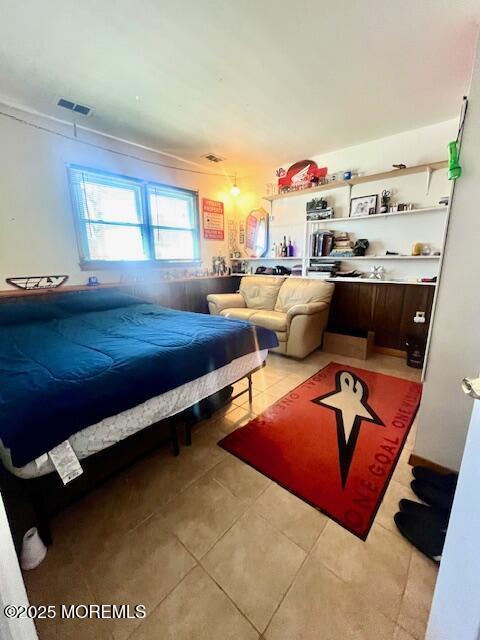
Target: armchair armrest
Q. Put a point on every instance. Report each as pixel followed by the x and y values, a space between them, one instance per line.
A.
pixel 306 309
pixel 219 301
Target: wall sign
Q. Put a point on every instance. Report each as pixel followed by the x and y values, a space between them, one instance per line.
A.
pixel 241 233
pixel 213 219
pixel 37 282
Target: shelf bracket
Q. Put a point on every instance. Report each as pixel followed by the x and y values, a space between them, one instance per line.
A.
pixel 429 178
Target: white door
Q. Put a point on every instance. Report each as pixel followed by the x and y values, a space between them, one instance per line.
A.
pixel 12 589
pixel 455 613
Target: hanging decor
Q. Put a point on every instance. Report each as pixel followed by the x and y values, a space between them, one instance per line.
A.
pixel 301 175
pixel 213 219
pixel 37 282
pixel 256 233
pixel 241 232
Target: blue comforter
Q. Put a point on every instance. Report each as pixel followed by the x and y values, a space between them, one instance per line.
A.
pixel 68 365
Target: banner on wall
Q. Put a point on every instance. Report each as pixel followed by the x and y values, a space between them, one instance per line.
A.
pixel 213 219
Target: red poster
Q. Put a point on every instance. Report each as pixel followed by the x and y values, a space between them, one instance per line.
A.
pixel 213 219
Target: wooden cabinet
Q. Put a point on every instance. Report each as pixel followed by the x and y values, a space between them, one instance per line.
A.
pixel 387 309
pixel 186 295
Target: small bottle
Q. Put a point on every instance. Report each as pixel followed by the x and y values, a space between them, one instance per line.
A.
pixel 280 250
pixel 284 247
pixel 273 251
pixel 290 248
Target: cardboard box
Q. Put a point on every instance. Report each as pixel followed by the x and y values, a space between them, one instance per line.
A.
pixel 352 346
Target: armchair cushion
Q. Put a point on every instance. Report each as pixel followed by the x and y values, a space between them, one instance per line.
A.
pixel 238 314
pixel 219 301
pixel 274 320
pixel 260 292
pixel 305 309
pixel 295 291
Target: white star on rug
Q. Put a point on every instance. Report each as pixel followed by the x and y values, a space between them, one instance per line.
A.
pixel 349 401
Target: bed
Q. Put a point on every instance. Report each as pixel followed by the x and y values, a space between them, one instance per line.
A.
pixel 95 368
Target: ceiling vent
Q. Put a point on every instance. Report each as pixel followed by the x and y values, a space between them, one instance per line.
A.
pixel 213 158
pixel 82 109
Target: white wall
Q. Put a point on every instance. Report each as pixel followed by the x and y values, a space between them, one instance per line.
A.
pixel 428 144
pixel 455 612
pixel 12 588
pixel 455 340
pixel 37 234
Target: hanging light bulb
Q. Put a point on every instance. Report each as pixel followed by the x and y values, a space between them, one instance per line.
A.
pixel 235 191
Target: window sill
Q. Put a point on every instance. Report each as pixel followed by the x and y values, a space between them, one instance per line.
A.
pixel 129 265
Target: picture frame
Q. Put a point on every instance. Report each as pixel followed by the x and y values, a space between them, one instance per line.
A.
pixel 363 206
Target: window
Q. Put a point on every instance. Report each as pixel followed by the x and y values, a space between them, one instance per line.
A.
pixel 174 223
pixel 120 218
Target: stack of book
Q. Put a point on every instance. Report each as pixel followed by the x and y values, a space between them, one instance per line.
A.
pixel 319 214
pixel 321 243
pixel 342 246
pixel 324 269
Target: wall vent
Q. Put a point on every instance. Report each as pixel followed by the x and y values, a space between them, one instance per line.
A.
pixel 213 158
pixel 82 109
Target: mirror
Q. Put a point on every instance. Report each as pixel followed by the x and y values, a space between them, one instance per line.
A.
pixel 256 233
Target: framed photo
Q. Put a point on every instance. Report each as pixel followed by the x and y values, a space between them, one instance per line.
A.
pixel 363 206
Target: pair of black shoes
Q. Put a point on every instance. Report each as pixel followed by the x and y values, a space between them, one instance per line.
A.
pixel 426 526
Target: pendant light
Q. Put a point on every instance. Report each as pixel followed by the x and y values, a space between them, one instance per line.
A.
pixel 235 190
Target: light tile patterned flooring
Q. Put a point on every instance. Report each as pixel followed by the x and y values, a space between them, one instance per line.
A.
pixel 216 551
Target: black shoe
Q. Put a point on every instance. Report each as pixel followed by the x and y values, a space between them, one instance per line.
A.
pixel 432 515
pixel 426 538
pixel 444 481
pixel 431 494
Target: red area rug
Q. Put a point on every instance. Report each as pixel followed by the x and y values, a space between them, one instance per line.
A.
pixel 333 441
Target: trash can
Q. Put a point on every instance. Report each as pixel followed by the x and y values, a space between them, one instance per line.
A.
pixel 415 351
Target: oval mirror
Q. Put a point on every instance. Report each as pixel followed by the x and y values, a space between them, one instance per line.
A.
pixel 256 233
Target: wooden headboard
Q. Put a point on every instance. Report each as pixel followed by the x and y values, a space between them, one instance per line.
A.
pixel 43 295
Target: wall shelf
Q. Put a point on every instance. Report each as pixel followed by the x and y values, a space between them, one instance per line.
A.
pixel 377 281
pixel 298 258
pixel 384 175
pixel 425 221
pixel 348 258
pixel 376 216
pixel 340 279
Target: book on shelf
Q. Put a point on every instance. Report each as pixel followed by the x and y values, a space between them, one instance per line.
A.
pixel 321 275
pixel 323 269
pixel 314 215
pixel 342 253
pixel 321 243
pixel 342 246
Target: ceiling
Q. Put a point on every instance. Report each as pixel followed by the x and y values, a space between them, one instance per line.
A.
pixel 259 82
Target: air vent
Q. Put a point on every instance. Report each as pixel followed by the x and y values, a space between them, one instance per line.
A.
pixel 213 158
pixel 74 106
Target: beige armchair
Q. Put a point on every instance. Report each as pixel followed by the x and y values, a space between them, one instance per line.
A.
pixel 295 308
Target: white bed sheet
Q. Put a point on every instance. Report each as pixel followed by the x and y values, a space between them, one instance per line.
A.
pixel 107 432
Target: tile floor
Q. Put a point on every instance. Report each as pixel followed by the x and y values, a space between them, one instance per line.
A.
pixel 215 550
